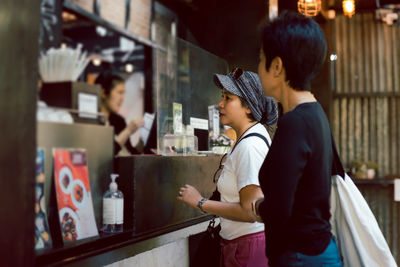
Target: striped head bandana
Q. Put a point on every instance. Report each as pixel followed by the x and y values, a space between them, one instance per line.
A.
pixel 247 85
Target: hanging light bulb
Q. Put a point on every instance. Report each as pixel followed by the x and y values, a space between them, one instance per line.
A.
pixel 96 61
pixel 349 8
pixel 309 7
pixel 129 67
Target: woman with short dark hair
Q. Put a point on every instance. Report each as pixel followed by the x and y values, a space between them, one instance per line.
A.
pixel 296 174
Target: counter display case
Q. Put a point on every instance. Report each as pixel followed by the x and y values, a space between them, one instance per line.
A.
pixel 151 184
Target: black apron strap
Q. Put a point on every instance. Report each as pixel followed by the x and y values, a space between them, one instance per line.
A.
pixel 258 135
pixel 252 134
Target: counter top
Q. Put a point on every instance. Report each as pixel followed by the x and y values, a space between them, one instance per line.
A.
pixel 112 244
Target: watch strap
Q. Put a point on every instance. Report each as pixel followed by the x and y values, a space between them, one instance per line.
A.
pixel 200 204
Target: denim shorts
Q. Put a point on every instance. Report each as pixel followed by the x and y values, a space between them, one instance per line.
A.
pixel 330 257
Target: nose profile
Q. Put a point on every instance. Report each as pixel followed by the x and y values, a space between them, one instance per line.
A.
pixel 220 103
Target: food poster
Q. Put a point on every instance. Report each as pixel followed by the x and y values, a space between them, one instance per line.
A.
pixel 42 233
pixel 75 207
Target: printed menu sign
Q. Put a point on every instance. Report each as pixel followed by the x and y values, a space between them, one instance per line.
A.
pixel 177 118
pixel 75 207
pixel 42 233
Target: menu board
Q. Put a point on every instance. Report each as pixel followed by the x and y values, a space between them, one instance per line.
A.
pixel 42 233
pixel 74 201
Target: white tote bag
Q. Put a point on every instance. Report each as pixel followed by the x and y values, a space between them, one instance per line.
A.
pixel 359 238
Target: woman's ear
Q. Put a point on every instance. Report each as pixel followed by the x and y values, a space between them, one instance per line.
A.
pixel 248 111
pixel 103 94
pixel 277 67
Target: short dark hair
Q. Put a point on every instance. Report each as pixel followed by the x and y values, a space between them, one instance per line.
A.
pixel 108 80
pixel 299 42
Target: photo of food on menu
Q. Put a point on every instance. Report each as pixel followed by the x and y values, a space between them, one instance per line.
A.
pixel 75 207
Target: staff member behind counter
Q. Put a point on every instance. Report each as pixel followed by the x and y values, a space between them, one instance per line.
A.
pixel 113 93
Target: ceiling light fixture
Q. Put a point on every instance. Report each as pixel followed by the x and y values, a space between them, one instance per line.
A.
pixel 309 8
pixel 349 8
pixel 129 67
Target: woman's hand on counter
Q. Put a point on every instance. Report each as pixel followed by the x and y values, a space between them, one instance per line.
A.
pixel 189 195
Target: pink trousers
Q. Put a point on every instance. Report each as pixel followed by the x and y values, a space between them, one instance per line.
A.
pixel 244 251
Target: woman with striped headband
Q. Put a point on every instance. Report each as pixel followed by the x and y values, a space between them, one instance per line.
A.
pixel 244 108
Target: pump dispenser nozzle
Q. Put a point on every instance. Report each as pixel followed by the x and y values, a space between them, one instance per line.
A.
pixel 113 184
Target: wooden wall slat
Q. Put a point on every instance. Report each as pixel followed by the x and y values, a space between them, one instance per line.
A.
pixel 392 138
pixel 359 53
pixel 336 122
pixel 350 138
pixel 365 129
pixel 372 130
pixel 346 55
pixel 398 135
pixel 373 57
pixel 387 42
pixel 385 138
pixel 352 56
pixel 381 58
pixel 395 232
pixel 396 58
pixel 358 128
pixel 367 51
pixel 339 53
pixel 379 134
pixel 343 131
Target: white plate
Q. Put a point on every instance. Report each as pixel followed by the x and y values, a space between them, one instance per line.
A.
pixel 78 204
pixel 65 171
pixel 74 217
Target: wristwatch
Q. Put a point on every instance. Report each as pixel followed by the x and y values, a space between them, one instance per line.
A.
pixel 200 204
pixel 254 208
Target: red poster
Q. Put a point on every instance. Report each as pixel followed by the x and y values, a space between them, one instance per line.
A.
pixel 75 207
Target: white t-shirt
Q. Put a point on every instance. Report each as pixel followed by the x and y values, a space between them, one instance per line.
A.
pixel 241 169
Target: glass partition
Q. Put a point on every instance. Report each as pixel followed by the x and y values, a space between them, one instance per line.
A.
pixel 183 74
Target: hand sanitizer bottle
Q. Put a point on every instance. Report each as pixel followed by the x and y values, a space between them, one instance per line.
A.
pixel 113 208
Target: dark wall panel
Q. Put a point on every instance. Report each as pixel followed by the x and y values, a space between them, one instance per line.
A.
pixel 19 35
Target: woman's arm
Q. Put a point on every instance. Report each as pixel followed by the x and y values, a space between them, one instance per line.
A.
pixel 132 127
pixel 233 211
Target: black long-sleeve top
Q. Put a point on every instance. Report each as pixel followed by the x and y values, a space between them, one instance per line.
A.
pixel 296 181
pixel 119 124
